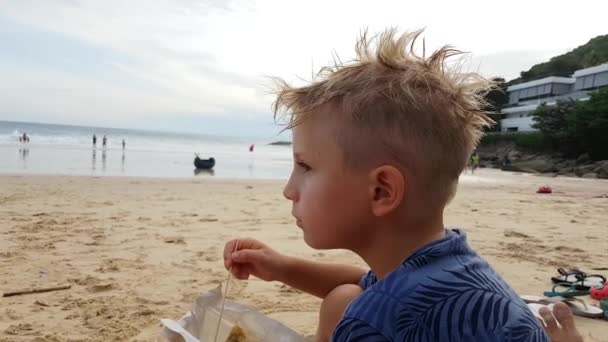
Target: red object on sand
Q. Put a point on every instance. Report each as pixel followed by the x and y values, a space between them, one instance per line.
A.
pixel 545 189
pixel 251 148
pixel 599 292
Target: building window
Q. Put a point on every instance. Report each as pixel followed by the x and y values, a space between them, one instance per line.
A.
pixel 588 82
pixel 512 129
pixel 522 94
pixel 601 79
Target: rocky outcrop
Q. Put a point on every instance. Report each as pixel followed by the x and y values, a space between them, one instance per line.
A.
pixel 602 169
pixel 584 169
pixel 520 161
pixel 541 165
pixel 598 169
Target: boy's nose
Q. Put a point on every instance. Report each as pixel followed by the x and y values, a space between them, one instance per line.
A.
pixel 289 191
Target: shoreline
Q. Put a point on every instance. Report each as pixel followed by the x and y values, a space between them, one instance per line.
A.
pixel 481 173
pixel 173 179
pixel 136 250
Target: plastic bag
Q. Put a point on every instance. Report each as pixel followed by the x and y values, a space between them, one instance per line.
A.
pixel 200 323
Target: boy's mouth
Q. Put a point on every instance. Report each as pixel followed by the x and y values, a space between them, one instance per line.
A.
pixel 298 221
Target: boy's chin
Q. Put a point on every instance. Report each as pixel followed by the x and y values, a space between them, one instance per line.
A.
pixel 317 243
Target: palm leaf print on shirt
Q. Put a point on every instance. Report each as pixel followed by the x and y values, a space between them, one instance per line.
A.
pixel 469 304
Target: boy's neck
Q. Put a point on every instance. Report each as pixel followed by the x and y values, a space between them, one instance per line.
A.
pixel 392 244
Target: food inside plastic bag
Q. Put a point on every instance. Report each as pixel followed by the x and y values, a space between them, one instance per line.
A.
pixel 237 335
pixel 239 323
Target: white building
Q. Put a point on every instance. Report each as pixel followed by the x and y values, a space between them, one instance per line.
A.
pixel 591 78
pixel 525 97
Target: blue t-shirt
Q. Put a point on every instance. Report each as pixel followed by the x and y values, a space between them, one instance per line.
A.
pixel 443 292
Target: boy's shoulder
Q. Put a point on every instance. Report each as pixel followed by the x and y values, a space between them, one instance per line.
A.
pixel 443 292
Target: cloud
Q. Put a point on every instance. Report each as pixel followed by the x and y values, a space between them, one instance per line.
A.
pixel 508 64
pixel 63 76
pixel 127 60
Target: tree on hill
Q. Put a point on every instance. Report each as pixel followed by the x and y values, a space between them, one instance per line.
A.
pixel 590 124
pixel 593 53
pixel 553 123
pixel 496 99
pixel 576 127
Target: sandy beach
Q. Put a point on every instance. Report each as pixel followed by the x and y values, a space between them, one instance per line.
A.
pixel 136 250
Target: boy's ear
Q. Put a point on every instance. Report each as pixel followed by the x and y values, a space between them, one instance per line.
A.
pixel 387 189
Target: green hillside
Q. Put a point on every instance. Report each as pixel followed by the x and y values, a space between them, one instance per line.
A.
pixel 593 53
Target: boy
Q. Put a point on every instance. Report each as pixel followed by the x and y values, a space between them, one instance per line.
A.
pixel 378 147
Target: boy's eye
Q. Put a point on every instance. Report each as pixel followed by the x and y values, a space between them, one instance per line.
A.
pixel 304 166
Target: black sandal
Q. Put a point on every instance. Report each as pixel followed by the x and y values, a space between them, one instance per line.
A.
pixel 579 279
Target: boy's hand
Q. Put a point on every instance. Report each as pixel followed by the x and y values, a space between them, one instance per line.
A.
pixel 253 258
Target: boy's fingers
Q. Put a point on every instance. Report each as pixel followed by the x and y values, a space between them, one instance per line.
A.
pixel 246 243
pixel 564 316
pixel 550 322
pixel 239 272
pixel 243 274
pixel 236 272
pixel 227 261
pixel 246 256
pixel 248 251
pixel 228 249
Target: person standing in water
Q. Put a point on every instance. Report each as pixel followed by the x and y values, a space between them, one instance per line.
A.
pixel 94 140
pixel 104 141
pixel 122 159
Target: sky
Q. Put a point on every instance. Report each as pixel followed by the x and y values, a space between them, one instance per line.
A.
pixel 203 65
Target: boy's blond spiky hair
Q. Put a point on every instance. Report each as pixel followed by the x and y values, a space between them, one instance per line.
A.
pixel 414 109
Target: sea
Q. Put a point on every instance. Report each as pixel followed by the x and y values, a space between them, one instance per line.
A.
pixel 68 150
